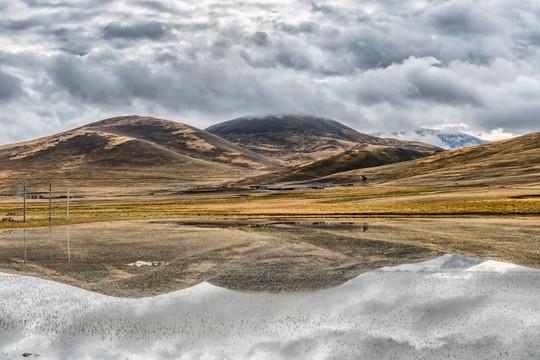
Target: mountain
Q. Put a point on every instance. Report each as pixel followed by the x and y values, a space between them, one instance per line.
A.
pixel 129 151
pixel 513 161
pixel 297 138
pixel 183 139
pixel 361 157
pixel 450 140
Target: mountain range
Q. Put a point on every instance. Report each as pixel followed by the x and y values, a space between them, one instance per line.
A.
pixel 134 154
pixel 447 139
pixel 127 152
pixel 297 138
pixel 511 162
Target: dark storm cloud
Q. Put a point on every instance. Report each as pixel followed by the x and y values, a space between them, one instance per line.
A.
pixel 154 5
pixel 321 8
pixel 518 120
pixel 293 60
pixel 260 38
pixel 456 19
pixel 418 80
pixel 45 4
pixel 21 24
pixel 80 5
pixel 306 27
pixel 83 81
pixel 10 86
pixel 176 84
pixel 152 31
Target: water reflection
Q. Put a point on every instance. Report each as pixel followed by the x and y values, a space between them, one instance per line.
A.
pixel 50 243
pixel 450 307
pixel 266 257
pixel 68 244
pixel 38 247
pixel 24 236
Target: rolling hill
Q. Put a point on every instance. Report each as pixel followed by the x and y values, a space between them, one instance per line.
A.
pixel 358 158
pixel 299 138
pixel 129 151
pixel 513 162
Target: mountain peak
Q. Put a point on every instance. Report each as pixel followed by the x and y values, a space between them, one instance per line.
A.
pixel 128 150
pixel 295 138
pixel 302 123
pixel 446 139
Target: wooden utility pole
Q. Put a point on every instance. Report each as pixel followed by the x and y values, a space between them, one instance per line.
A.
pixel 24 202
pixel 50 202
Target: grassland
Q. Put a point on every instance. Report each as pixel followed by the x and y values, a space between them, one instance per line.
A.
pixel 482 201
pixel 332 202
pixel 267 239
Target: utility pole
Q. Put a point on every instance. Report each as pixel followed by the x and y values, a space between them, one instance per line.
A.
pixel 67 209
pixel 24 202
pixel 50 202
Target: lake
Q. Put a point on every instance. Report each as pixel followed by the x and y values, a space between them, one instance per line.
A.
pixel 448 307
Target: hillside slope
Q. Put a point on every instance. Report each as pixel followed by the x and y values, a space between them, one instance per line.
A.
pixel 298 138
pixel 514 161
pixel 126 151
pixel 183 139
pixel 360 157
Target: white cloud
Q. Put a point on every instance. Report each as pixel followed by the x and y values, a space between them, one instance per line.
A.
pixel 367 64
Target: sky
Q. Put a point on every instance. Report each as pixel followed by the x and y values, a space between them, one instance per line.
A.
pixel 387 65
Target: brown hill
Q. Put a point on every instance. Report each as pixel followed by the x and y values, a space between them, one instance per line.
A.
pixel 514 161
pixel 127 151
pixel 298 138
pixel 358 158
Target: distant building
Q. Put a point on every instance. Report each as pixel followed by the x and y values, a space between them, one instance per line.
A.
pixel 258 187
pixel 32 196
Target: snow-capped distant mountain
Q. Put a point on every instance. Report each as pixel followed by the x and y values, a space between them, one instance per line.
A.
pixel 450 140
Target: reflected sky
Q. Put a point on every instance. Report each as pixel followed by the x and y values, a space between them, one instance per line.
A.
pixel 449 306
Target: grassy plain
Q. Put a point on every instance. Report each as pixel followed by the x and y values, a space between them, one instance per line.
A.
pixel 331 202
pixel 501 223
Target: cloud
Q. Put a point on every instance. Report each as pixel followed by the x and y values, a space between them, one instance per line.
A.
pixel 85 83
pixel 154 5
pixel 458 18
pixel 260 38
pixel 407 64
pixel 416 80
pixel 10 86
pixel 151 31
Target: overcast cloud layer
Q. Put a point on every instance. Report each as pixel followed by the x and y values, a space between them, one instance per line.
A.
pixel 376 66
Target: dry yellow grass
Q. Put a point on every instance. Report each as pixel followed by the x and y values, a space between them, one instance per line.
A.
pixel 334 202
pixel 370 225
